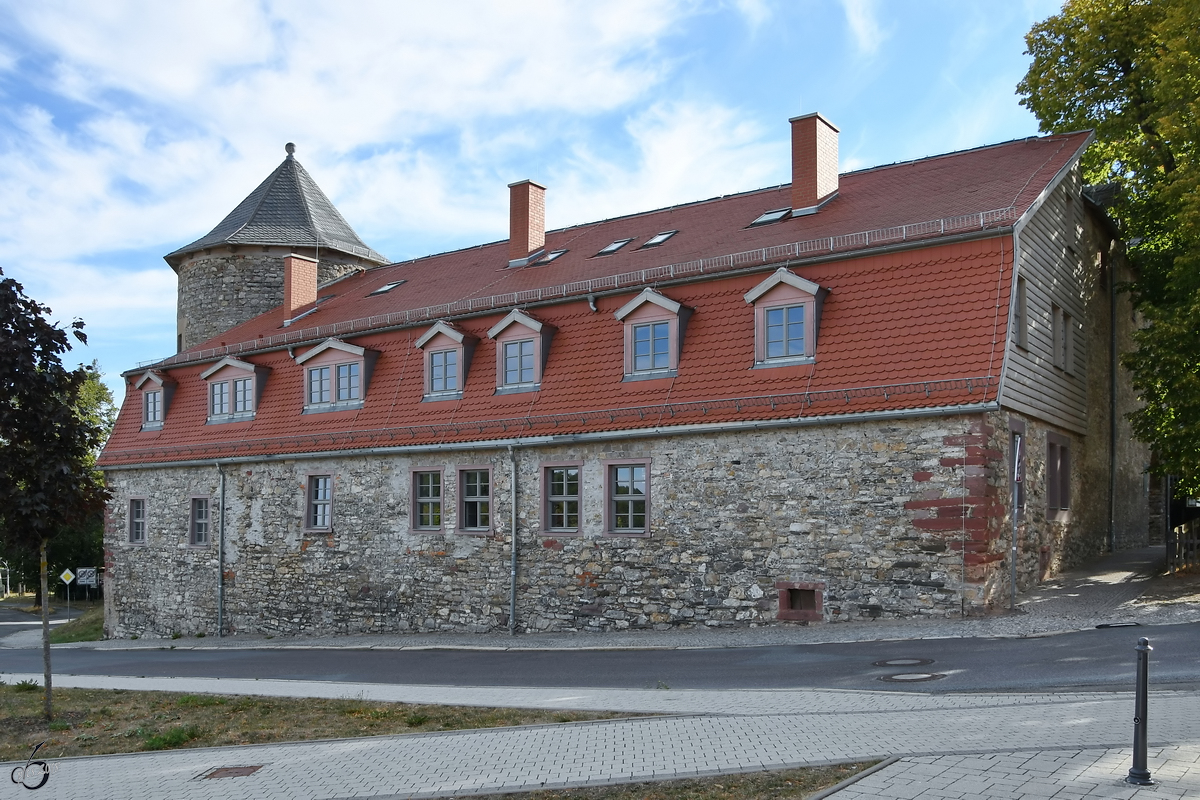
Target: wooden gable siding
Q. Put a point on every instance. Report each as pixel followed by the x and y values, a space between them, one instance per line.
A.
pixel 1052 264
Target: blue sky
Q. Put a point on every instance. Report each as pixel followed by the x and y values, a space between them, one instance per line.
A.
pixel 128 129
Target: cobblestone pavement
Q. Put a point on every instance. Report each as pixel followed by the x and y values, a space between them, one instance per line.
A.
pixel 1063 774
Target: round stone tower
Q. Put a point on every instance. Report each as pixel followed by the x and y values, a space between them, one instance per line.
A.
pixel 235 272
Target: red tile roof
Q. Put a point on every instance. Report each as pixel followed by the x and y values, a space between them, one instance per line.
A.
pixel 905 329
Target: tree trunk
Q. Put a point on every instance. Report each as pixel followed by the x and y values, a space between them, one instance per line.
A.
pixel 47 708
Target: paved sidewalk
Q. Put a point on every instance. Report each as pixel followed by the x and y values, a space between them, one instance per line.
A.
pixel 708 733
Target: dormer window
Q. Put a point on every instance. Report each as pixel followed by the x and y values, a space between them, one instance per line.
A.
pixel 657 239
pixel 157 390
pixel 522 344
pixel 234 387
pixel 786 312
pixel 654 326
pixel 448 354
pixel 614 247
pixel 767 217
pixel 336 375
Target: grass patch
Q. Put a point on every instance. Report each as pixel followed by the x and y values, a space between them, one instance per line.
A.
pixel 87 628
pixel 791 783
pixel 99 721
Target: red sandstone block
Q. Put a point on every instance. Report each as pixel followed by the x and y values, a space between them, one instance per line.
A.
pixel 959 440
pixel 968 461
pixel 922 476
pixel 982 558
pixel 940 524
pixel 985 452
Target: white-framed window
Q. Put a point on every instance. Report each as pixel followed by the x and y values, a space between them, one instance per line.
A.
pixel 653 329
pixel 785 319
pixel 522 344
pixel 233 388
pixel 152 407
pixel 156 389
pixel 447 355
pixel 200 522
pixel 218 399
pixel 627 498
pixel 243 395
pixel 561 487
pixel 427 499
pixel 652 347
pixel 319 511
pixel 336 376
pixel 443 371
pixel 137 520
pixel 475 499
pixel 518 362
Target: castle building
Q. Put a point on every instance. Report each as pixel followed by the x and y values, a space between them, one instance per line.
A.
pixel 886 393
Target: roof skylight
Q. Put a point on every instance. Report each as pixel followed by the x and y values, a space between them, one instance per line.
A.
pixel 614 247
pixel 387 287
pixel 768 217
pixel 549 257
pixel 658 238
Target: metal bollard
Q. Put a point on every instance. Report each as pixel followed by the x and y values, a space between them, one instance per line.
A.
pixel 1138 774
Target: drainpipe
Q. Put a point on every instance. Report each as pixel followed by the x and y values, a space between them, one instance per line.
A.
pixel 1112 407
pixel 512 577
pixel 221 558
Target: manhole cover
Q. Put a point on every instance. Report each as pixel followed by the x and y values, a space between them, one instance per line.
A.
pixel 912 677
pixel 232 772
pixel 904 662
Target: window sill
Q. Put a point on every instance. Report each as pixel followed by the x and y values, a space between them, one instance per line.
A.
pixel 791 361
pixel 1062 515
pixel 429 531
pixel 433 398
pixel 244 416
pixel 473 531
pixel 628 534
pixel 651 376
pixel 135 544
pixel 519 388
pixel 151 426
pixel 323 408
pixel 552 533
pixel 191 546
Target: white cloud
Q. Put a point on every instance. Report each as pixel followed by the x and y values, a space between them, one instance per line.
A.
pixel 864 25
pixel 756 12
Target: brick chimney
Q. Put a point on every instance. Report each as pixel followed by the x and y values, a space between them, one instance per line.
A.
pixel 299 282
pixel 814 160
pixel 526 220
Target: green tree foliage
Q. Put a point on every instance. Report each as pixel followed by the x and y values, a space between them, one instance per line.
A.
pixel 1130 69
pixel 48 442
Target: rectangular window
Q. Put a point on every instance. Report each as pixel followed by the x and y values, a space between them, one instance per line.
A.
pixel 1063 330
pixel 320 501
pixel 785 332
pixel 1058 473
pixel 562 498
pixel 243 395
pixel 319 386
pixel 475 492
pixel 200 522
pixel 137 521
pixel 427 486
pixel 1017 454
pixel 218 399
pixel 518 362
pixel 627 498
pixel 1021 316
pixel 347 382
pixel 443 371
pixel 153 406
pixel 651 347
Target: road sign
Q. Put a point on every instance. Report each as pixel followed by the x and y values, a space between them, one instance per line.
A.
pixel 85 576
pixel 67 576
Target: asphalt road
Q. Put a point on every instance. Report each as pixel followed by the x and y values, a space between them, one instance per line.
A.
pixel 1094 659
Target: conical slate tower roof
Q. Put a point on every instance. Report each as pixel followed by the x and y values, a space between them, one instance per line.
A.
pixel 286 209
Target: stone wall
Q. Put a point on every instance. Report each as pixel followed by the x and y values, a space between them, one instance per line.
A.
pixel 226 286
pixel 873 511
